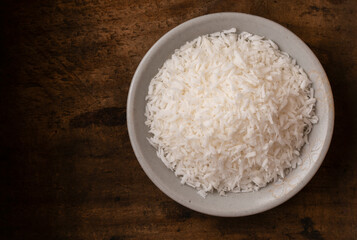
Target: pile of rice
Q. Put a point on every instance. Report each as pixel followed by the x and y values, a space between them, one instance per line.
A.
pixel 230 112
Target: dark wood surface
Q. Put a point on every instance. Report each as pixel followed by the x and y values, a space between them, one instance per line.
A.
pixel 67 167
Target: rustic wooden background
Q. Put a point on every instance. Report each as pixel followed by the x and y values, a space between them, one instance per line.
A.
pixel 67 168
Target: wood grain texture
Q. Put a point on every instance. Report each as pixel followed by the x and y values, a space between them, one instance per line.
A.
pixel 67 167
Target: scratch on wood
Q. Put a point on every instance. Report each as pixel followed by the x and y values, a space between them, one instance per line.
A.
pixel 112 116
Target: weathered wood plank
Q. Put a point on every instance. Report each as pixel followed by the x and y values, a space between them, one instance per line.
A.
pixel 67 168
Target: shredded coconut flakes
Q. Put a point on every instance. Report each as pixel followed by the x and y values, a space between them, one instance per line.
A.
pixel 230 112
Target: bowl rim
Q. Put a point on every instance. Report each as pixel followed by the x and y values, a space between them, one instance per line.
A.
pixel 171 193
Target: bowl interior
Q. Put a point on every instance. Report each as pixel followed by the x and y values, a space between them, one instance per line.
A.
pixel 242 203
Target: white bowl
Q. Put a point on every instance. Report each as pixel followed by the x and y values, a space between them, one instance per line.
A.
pixel 234 204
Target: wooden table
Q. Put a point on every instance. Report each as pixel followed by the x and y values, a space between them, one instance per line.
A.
pixel 67 168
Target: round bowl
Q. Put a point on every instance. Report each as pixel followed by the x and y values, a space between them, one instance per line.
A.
pixel 234 204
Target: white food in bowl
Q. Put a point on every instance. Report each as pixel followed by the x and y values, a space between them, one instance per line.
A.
pixel 230 112
pixel 234 204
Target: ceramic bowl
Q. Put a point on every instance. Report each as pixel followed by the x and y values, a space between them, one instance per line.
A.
pixel 234 204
